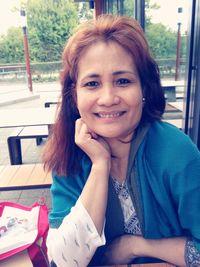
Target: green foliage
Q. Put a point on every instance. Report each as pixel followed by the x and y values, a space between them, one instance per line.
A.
pixel 84 12
pixel 129 8
pixel 148 7
pixel 162 40
pixel 11 46
pixel 50 24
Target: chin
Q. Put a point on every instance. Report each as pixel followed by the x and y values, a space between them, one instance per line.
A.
pixel 117 136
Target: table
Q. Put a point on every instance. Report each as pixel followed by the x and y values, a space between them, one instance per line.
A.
pixel 22 260
pixel 176 122
pixel 143 265
pixel 26 117
pixel 19 260
pixel 26 176
pixel 172 83
pixel 30 118
pixel 177 105
pixel 170 89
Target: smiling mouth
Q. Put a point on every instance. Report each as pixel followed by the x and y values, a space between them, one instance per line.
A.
pixel 109 114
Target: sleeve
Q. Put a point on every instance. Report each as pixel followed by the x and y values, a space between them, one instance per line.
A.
pixel 65 191
pixel 192 255
pixel 75 241
pixel 185 187
pixel 64 194
pixel 170 163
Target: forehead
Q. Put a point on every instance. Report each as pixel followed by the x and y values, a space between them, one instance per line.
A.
pixel 103 45
pixel 105 56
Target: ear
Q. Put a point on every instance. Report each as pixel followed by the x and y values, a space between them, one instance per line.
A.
pixel 143 96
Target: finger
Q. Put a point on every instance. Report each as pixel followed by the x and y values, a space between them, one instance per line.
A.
pixel 82 135
pixel 94 135
pixel 83 129
pixel 78 125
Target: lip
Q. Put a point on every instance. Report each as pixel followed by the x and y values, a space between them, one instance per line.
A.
pixel 109 115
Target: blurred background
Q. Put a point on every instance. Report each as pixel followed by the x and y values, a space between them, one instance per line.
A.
pixel 34 32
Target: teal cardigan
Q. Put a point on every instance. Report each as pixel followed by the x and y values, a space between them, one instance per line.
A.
pixel 164 182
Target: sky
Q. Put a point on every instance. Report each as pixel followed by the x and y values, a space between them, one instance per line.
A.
pixel 167 14
pixel 8 18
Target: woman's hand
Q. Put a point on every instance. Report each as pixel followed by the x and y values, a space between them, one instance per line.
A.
pixel 125 249
pixel 93 145
pixel 95 192
pixel 122 250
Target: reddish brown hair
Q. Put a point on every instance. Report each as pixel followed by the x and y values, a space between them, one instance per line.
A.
pixel 61 153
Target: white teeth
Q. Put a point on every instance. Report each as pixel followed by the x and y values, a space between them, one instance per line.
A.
pixel 109 115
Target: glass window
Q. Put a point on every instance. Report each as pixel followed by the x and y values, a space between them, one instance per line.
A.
pixel 119 7
pixel 172 29
pixel 166 27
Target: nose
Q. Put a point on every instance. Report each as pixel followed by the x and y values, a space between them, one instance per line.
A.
pixel 108 97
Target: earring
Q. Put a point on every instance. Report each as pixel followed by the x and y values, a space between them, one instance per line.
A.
pixel 143 99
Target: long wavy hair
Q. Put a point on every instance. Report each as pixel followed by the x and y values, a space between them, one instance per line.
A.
pixel 61 154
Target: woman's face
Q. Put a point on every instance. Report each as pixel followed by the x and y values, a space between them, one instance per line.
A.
pixel 108 91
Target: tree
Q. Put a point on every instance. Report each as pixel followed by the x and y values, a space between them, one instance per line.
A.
pixel 11 46
pixel 162 40
pixel 129 8
pixel 84 12
pixel 148 7
pixel 50 24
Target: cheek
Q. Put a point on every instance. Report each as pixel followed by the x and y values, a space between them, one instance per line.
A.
pixel 82 103
pixel 136 100
pixel 137 108
pixel 140 107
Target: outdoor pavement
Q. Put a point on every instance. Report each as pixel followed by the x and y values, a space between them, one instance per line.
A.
pixel 18 96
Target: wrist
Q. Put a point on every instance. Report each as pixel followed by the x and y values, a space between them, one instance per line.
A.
pixel 101 166
pixel 138 244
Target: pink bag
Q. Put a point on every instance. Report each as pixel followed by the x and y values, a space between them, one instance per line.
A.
pixel 23 227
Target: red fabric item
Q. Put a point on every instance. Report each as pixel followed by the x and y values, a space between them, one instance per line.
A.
pixel 37 250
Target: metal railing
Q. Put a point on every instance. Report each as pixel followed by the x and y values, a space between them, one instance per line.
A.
pixel 50 70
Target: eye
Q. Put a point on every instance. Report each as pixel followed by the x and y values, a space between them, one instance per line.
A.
pixel 91 84
pixel 123 82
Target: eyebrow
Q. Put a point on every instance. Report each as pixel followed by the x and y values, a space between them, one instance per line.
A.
pixel 123 72
pixel 115 73
pixel 92 75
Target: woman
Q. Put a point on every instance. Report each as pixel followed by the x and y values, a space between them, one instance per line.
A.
pixel 125 185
